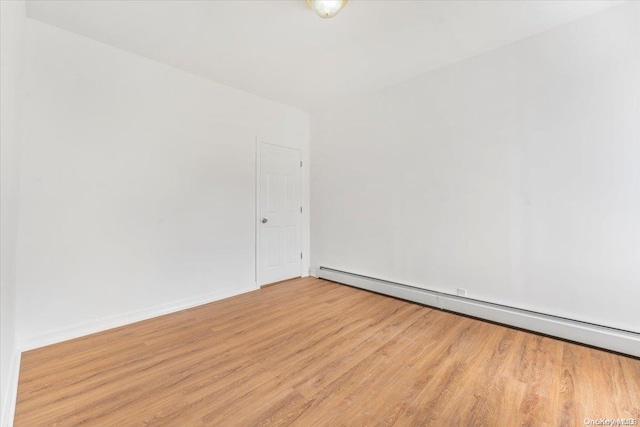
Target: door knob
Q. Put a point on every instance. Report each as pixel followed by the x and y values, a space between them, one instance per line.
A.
pixel 265 220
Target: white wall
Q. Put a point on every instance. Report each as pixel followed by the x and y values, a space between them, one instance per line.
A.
pixel 138 186
pixel 514 175
pixel 12 18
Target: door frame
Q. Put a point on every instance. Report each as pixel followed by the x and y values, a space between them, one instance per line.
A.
pixel 258 210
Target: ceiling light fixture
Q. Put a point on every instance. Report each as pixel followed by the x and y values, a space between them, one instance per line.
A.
pixel 326 8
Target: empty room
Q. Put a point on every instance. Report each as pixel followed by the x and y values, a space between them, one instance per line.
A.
pixel 320 213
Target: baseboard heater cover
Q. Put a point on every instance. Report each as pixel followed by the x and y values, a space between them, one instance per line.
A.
pixel 595 335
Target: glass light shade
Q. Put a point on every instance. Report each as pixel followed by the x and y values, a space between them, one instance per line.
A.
pixel 326 8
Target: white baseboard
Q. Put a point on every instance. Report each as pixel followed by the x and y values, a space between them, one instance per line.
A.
pixel 586 333
pixel 76 331
pixel 9 404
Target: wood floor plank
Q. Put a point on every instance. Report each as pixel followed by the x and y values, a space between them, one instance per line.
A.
pixel 311 352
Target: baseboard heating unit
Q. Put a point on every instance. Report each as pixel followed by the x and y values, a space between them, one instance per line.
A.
pixel 621 341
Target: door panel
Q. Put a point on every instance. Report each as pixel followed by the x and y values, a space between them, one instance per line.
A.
pixel 279 218
pixel 291 247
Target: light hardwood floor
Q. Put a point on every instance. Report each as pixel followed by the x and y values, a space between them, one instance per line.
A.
pixel 314 353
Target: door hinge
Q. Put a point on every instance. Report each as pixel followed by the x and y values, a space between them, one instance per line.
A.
pixel 300 163
pixel 300 209
pixel 300 255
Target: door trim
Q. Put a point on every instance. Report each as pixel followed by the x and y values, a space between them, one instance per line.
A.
pixel 258 212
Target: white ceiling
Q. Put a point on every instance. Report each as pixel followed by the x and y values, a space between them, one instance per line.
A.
pixel 283 51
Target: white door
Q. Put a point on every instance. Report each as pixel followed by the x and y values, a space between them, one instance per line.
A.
pixel 279 214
